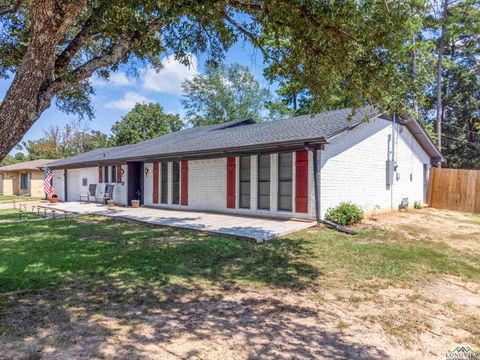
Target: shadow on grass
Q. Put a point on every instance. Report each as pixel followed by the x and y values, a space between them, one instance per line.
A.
pixel 184 321
pixel 47 253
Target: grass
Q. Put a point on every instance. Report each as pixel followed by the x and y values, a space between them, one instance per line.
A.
pixel 8 198
pixel 48 253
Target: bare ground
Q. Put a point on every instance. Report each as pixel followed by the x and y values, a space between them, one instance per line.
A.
pixel 187 321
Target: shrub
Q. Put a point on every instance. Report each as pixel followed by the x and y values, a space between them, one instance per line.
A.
pixel 417 205
pixel 345 214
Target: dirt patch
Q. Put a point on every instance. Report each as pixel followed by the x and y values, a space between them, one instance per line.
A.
pixel 459 230
pixel 184 321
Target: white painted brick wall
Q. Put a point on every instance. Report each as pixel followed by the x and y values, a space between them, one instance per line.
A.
pixel 207 187
pixel 207 184
pixel 353 168
pixel 58 182
pixel 148 184
pixel 75 185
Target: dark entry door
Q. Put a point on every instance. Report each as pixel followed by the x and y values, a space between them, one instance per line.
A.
pixel 135 182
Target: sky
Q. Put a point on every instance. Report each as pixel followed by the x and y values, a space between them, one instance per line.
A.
pixel 115 97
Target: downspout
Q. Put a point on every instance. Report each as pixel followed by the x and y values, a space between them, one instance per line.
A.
pixel 316 181
pixel 394 120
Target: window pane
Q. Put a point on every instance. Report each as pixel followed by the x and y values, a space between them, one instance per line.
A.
pixel 114 174
pixel 264 202
pixel 244 182
pixel 164 197
pixel 264 181
pixel 285 171
pixel 176 183
pixel 106 174
pixel 24 181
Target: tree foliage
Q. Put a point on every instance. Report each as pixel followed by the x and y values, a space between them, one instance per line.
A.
pixel 143 122
pixel 54 46
pixel 224 93
pixel 459 111
pixel 59 142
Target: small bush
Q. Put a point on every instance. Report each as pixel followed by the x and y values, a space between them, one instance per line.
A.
pixel 345 214
pixel 417 205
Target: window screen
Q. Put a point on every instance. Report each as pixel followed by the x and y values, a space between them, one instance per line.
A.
pixel 285 181
pixel 264 182
pixel 164 197
pixel 105 174
pixel 114 173
pixel 176 183
pixel 245 182
pixel 24 181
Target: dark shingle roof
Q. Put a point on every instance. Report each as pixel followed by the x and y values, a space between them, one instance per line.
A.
pixel 232 135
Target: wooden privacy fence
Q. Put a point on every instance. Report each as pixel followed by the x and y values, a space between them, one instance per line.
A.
pixel 454 189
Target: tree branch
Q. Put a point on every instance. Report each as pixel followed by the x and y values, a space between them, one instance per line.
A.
pixel 80 38
pixel 12 10
pixel 251 37
pixel 111 56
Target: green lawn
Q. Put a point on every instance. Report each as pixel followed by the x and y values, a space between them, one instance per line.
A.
pixel 50 252
pixel 8 198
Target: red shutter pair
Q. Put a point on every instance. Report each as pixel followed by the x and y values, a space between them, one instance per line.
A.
pixel 184 182
pixel 119 174
pixel 301 182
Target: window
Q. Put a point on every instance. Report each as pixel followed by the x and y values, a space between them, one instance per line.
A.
pixel 105 174
pixel 176 183
pixel 24 181
pixel 164 196
pixel 244 182
pixel 114 174
pixel 285 181
pixel 264 182
pixel 84 182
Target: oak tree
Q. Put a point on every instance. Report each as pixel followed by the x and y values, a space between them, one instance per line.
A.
pixel 52 47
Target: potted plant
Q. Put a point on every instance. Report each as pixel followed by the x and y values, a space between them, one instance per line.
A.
pixel 136 203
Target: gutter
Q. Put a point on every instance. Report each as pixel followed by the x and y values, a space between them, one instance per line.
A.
pixel 192 155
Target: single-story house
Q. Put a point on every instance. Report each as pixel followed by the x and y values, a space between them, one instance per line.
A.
pixel 25 178
pixel 296 167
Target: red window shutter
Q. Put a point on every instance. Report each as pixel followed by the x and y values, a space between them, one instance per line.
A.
pixel 100 174
pixel 155 182
pixel 301 181
pixel 184 181
pixel 119 173
pixel 231 182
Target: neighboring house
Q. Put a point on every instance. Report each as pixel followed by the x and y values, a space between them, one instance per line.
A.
pixel 25 178
pixel 265 169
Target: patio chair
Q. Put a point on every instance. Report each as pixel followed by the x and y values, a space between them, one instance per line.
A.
pixel 92 189
pixel 107 195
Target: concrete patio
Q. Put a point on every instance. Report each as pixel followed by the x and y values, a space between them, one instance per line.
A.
pixel 246 227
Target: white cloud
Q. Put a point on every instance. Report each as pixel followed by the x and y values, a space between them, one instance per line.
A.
pixel 169 79
pixel 128 101
pixel 117 79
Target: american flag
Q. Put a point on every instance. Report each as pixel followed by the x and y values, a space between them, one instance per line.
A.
pixel 47 180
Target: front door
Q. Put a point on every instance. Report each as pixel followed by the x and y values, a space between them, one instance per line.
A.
pixel 135 182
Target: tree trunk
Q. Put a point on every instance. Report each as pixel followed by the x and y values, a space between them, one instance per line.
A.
pixel 22 105
pixel 414 74
pixel 441 49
